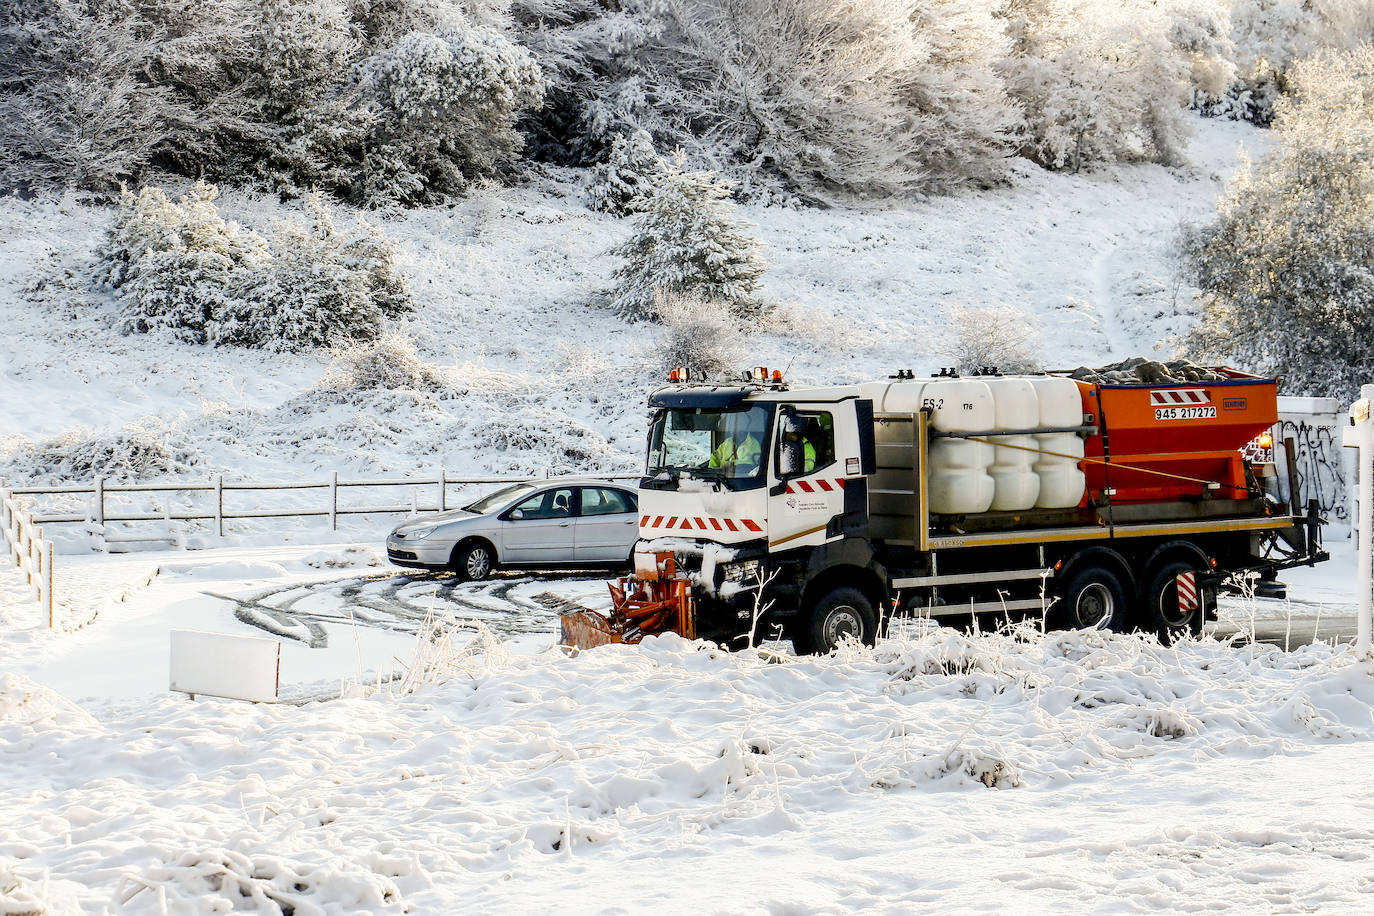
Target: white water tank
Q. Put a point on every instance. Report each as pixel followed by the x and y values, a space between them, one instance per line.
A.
pixel 959 482
pixel 1017 485
pixel 1061 482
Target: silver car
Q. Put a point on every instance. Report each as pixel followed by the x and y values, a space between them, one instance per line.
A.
pixel 535 523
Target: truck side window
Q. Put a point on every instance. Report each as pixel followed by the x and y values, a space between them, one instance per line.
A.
pixel 818 440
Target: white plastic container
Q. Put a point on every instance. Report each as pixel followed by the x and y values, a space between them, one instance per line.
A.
pixel 1017 485
pixel 959 482
pixel 1061 482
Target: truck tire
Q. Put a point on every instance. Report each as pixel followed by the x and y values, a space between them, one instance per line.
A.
pixel 474 561
pixel 839 612
pixel 1093 599
pixel 1161 603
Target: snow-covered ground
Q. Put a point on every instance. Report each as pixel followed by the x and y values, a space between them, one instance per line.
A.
pixel 1011 772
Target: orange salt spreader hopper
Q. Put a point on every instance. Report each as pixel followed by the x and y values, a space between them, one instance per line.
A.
pixel 1162 442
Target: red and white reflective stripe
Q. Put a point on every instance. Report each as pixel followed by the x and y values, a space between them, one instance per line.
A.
pixel 1186 583
pixel 818 485
pixel 699 523
pixel 1172 397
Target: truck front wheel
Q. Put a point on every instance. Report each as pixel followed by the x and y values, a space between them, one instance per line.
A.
pixel 840 613
pixel 1093 599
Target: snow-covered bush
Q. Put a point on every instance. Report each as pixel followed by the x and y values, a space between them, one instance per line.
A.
pixel 389 362
pixel 182 267
pixel 622 184
pixel 135 452
pixel 1287 269
pixel 696 334
pixel 446 106
pixel 993 336
pixel 1097 82
pixel 687 241
pixel 535 439
pixel 178 265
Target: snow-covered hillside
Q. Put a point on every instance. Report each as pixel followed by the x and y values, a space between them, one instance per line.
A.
pixel 537 373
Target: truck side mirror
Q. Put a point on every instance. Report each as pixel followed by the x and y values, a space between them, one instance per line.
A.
pixel 790 454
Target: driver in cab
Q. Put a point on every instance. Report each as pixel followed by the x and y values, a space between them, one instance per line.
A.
pixel 740 454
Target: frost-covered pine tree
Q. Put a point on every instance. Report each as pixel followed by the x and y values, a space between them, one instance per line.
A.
pixel 1287 269
pixel 687 242
pixel 622 184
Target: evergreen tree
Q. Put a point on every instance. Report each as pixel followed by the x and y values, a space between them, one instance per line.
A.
pixel 622 184
pixel 688 242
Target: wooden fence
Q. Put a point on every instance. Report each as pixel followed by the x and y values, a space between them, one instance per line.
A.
pixel 28 549
pixel 223 501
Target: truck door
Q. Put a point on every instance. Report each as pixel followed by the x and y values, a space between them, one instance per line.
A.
pixel 803 505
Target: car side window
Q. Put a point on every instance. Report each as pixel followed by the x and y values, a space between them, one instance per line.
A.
pixel 549 504
pixel 599 501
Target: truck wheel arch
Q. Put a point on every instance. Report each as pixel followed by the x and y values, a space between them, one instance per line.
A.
pixel 864 578
pixel 1171 551
pixel 1099 556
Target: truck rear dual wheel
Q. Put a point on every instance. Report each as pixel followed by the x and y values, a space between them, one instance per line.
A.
pixel 839 614
pixel 1161 604
pixel 1093 599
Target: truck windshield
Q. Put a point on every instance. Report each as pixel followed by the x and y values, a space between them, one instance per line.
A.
pixel 721 443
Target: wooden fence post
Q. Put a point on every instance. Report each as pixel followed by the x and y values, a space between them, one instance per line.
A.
pixel 443 490
pixel 219 505
pixel 100 501
pixel 47 582
pixel 334 502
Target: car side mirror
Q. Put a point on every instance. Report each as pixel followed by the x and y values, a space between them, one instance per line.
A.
pixel 517 514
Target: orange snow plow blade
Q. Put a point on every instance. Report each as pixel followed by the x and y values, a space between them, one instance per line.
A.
pixel 652 601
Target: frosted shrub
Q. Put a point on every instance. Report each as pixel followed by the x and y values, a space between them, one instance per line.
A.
pixel 390 362
pixel 996 336
pixel 1097 83
pixel 687 241
pixel 181 267
pixel 135 452
pixel 178 265
pixel 622 184
pixel 697 334
pixel 1287 268
pixel 446 106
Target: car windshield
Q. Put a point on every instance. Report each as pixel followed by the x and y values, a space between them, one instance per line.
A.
pixel 499 498
pixel 716 443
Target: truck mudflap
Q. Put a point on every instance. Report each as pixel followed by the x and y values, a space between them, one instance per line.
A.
pixel 654 600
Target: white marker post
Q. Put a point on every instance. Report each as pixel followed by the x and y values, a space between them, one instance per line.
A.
pixel 1360 434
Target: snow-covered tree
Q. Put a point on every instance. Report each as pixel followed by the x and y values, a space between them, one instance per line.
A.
pixel 1271 35
pixel 993 336
pixel 687 242
pixel 1287 269
pixel 839 99
pixel 446 106
pixel 621 185
pixel 1098 82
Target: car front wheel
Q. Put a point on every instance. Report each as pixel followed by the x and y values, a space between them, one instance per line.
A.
pixel 475 561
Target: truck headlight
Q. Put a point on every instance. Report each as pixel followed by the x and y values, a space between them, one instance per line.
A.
pixel 746 571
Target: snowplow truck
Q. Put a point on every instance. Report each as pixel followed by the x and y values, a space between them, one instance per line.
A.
pixel 818 514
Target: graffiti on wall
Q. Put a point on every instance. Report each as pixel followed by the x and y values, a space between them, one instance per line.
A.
pixel 1321 472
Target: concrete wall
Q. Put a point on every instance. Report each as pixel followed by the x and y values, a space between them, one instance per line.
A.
pixel 1325 469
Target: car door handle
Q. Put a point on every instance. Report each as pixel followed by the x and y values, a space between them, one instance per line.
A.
pixel 564 524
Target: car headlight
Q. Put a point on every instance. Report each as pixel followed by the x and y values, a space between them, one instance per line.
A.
pixel 741 572
pixel 418 534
